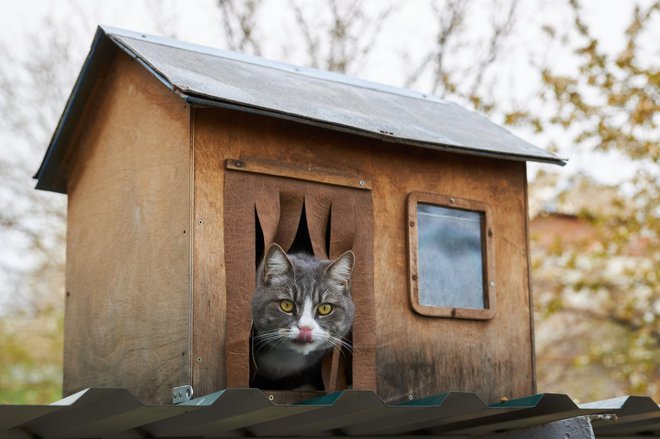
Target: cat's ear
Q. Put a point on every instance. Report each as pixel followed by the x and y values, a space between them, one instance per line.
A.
pixel 341 269
pixel 277 265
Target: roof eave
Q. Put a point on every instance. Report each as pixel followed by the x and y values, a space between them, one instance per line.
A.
pixel 205 101
pixel 52 173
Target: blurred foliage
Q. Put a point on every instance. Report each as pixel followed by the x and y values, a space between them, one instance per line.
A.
pixel 33 225
pixel 32 350
pixel 601 295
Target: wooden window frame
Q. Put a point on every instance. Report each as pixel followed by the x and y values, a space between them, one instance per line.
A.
pixel 488 256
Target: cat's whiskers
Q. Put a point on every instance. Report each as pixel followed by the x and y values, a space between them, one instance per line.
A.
pixel 338 342
pixel 270 339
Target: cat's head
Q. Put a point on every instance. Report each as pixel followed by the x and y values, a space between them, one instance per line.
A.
pixel 301 302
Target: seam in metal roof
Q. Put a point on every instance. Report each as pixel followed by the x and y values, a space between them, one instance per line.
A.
pixel 214 77
pixel 110 412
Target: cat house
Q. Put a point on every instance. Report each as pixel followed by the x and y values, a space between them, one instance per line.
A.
pixel 182 164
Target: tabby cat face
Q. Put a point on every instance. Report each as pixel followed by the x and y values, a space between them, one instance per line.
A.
pixel 301 302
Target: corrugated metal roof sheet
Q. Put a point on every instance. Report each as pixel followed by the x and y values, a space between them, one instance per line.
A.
pixel 248 412
pixel 214 77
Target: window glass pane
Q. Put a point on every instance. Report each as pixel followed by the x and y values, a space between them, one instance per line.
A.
pixel 450 257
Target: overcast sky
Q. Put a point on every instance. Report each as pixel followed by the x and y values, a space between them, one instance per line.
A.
pixel 198 21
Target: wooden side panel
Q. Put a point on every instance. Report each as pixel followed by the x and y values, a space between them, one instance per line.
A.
pixel 419 355
pixel 209 286
pixel 415 354
pixel 128 247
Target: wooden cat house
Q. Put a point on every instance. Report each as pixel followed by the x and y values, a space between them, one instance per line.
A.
pixel 182 163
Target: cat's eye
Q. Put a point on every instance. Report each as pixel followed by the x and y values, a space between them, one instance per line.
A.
pixel 324 309
pixel 286 305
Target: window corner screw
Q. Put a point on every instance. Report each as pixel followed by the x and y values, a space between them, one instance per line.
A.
pixel 199 359
pixel 492 283
pixel 362 183
pixel 271 398
pixel 410 397
pixel 452 201
pixel 412 223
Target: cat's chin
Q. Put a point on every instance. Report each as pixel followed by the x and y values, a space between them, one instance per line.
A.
pixel 304 348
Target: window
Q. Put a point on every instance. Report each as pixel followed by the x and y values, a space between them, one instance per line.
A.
pixel 450 257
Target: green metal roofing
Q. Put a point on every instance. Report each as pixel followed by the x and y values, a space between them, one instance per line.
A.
pixel 116 413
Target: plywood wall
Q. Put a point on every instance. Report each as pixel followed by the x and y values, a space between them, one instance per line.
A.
pixel 415 355
pixel 128 287
pixel 146 282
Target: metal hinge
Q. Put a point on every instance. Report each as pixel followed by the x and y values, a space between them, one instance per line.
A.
pixel 182 394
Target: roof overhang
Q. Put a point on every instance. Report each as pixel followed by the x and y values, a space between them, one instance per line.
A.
pixel 217 78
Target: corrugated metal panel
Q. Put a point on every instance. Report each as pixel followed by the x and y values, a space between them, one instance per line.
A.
pixel 206 76
pixel 634 416
pixel 248 412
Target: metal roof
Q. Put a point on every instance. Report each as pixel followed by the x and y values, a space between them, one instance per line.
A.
pixel 104 412
pixel 213 77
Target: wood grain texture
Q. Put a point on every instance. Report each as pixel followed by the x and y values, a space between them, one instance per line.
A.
pixel 268 213
pixel 415 354
pixel 318 211
pixel 208 259
pixel 128 245
pixel 315 174
pixel 291 205
pixel 529 285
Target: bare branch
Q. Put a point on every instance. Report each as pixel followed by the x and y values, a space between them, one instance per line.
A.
pixel 450 16
pixel 344 43
pixel 500 31
pixel 239 23
pixel 305 27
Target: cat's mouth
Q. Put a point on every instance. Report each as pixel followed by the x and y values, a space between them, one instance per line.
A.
pixel 302 342
pixel 304 338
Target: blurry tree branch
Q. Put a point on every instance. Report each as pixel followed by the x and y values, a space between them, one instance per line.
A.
pixel 239 23
pixel 467 83
pixel 346 40
pixel 449 18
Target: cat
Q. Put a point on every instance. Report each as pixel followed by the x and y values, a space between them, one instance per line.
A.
pixel 301 308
